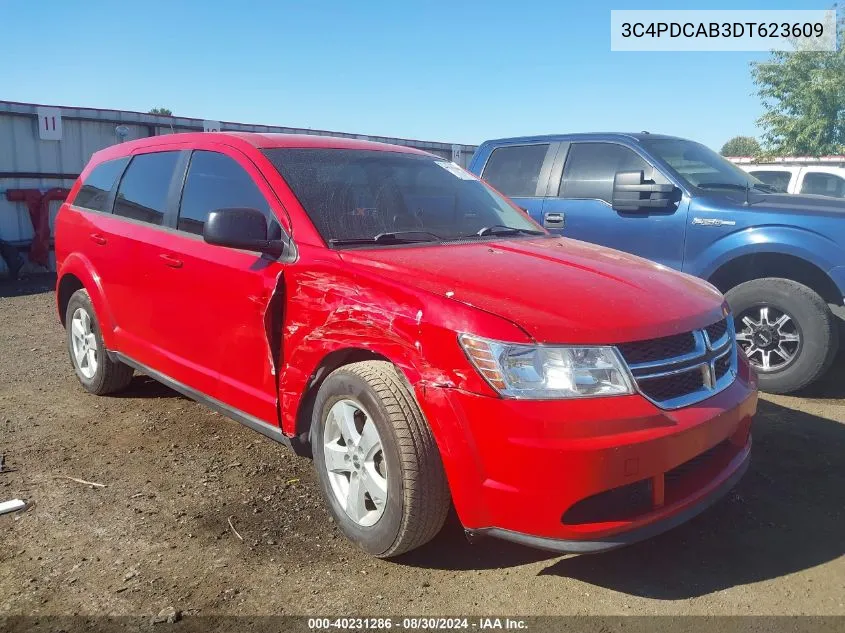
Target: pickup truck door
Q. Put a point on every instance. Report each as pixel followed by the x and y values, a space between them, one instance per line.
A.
pixel 521 172
pixel 579 196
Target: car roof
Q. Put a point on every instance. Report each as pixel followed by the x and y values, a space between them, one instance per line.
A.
pixel 256 140
pixel 582 136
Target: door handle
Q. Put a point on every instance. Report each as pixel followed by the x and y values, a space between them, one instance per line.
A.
pixel 554 220
pixel 171 261
pixel 98 239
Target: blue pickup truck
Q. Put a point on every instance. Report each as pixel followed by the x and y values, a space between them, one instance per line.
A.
pixel 778 258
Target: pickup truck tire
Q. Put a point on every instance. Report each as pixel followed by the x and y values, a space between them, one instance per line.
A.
pixel 373 398
pixel 813 322
pixel 98 373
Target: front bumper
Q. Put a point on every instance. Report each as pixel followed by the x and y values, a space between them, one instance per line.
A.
pixel 555 474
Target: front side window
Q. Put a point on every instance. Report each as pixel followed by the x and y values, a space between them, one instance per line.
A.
pixel 515 169
pixel 822 184
pixel 591 167
pixel 142 194
pixel 216 181
pixel 777 180
pixel 97 186
pixel 365 194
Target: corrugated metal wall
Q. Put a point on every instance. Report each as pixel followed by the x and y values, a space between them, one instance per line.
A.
pixel 86 130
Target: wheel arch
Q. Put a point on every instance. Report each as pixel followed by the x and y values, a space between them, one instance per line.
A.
pixel 772 264
pixel 75 274
pixel 330 362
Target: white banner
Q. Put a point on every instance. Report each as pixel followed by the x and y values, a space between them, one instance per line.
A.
pixel 723 30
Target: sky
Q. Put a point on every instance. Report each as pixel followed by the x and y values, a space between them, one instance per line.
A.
pixel 441 70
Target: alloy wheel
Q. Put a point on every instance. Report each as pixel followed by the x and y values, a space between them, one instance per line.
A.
pixel 770 338
pixel 355 462
pixel 84 343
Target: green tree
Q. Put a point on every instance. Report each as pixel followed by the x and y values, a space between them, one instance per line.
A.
pixel 166 111
pixel 741 146
pixel 803 94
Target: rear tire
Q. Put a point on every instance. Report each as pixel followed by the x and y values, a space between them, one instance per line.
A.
pixel 810 333
pixel 417 494
pixel 97 372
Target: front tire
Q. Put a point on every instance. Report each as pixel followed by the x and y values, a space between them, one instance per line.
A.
pixel 97 372
pixel 377 461
pixel 787 331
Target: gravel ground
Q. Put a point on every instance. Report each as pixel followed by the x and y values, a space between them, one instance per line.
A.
pixel 158 535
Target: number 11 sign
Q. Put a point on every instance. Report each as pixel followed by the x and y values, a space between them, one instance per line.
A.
pixel 49 124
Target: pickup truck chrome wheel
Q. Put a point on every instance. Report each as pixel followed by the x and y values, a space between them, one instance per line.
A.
pixel 770 338
pixel 355 462
pixel 84 343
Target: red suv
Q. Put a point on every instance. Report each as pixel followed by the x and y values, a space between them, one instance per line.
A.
pixel 423 338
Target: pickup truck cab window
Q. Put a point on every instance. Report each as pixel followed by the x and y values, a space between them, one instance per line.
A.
pixel 822 184
pixel 143 190
pixel 515 170
pixel 778 180
pixel 216 181
pixel 591 167
pixel 356 197
pixel 94 193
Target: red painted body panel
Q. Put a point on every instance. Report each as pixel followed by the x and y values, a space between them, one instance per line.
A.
pixel 511 464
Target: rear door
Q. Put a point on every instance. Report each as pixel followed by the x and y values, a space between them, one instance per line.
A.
pixel 521 172
pixel 581 193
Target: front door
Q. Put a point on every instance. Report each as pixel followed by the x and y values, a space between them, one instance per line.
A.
pixel 214 300
pixel 580 198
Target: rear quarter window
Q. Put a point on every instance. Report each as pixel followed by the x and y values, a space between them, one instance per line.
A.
pixel 97 186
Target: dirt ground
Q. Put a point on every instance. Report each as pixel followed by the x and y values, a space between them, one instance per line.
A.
pixel 157 535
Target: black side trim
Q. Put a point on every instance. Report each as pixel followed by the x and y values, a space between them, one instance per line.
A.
pixel 268 430
pixel 625 538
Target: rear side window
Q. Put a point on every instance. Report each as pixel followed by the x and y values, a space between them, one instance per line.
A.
pixel 823 185
pixel 216 181
pixel 777 179
pixel 142 194
pixel 514 170
pixel 591 167
pixel 94 193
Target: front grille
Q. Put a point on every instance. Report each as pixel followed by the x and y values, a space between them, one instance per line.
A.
pixel 722 365
pixel 679 370
pixel 657 348
pixel 617 504
pixel 674 386
pixel 630 501
pixel 717 330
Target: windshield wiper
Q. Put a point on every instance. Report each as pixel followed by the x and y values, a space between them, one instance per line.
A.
pixel 501 229
pixel 394 237
pixel 766 188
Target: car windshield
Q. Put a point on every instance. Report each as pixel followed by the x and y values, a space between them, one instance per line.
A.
pixel 701 167
pixel 378 197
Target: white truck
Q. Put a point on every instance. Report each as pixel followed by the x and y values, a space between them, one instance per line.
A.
pixel 823 176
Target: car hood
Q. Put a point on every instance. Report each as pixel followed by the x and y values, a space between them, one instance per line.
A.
pixel 557 290
pixel 789 203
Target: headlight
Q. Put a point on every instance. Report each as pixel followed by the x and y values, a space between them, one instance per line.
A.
pixel 541 372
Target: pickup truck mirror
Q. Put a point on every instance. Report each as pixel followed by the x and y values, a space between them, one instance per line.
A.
pixel 632 193
pixel 241 228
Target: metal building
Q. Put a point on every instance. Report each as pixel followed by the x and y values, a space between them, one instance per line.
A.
pixel 44 148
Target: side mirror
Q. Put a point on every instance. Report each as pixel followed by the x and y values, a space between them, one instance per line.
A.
pixel 240 228
pixel 632 193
